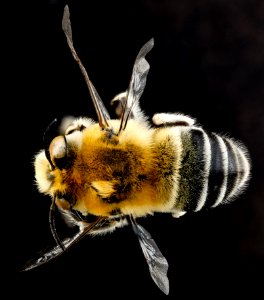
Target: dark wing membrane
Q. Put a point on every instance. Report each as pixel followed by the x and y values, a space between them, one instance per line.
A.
pixel 157 263
pixel 102 113
pixel 58 250
pixel 137 83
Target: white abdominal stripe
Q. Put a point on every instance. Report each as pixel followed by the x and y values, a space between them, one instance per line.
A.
pixel 220 167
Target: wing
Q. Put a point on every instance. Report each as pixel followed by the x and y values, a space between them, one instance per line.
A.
pixel 58 250
pixel 137 84
pixel 157 263
pixel 102 113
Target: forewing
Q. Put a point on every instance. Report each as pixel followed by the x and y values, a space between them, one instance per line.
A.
pixel 137 83
pixel 157 263
pixel 51 254
pixel 67 243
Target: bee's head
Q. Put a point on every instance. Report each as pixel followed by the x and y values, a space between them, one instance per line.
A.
pixel 60 152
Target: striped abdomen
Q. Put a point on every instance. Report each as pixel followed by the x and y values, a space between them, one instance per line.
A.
pixel 214 169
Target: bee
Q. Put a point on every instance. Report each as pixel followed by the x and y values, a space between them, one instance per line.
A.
pixel 105 175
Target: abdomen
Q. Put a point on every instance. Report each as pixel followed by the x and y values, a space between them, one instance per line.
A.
pixel 214 170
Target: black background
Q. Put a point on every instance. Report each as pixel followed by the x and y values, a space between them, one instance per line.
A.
pixel 207 62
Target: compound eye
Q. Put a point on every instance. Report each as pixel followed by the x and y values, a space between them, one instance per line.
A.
pixel 59 152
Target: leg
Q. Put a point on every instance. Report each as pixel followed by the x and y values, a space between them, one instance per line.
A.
pixel 173 119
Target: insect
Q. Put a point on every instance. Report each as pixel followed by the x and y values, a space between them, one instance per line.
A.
pixel 106 174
